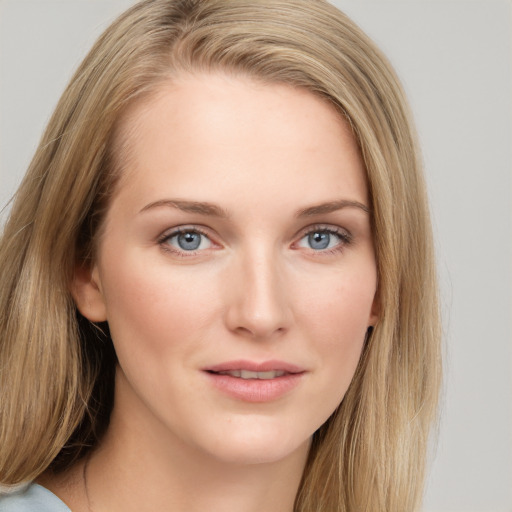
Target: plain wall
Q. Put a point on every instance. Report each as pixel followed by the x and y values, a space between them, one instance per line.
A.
pixel 454 57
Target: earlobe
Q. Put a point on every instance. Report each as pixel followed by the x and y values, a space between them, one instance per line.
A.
pixel 87 294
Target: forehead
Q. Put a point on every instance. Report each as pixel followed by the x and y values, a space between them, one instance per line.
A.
pixel 230 130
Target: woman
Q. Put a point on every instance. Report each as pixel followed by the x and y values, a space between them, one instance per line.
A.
pixel 218 288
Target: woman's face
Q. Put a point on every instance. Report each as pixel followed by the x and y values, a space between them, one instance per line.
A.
pixel 236 267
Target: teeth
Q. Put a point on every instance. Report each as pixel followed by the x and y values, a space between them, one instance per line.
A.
pixel 246 374
pixel 233 373
pixel 266 375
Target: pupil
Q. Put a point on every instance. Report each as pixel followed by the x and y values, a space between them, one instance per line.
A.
pixel 189 241
pixel 319 240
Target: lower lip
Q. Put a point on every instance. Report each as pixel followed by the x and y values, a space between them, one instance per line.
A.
pixel 255 390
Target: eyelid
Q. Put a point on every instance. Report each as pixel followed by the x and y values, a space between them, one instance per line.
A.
pixel 333 228
pixel 176 230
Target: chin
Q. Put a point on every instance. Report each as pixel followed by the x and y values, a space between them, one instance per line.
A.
pixel 266 444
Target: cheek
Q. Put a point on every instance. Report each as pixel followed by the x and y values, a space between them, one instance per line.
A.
pixel 337 322
pixel 339 305
pixel 153 309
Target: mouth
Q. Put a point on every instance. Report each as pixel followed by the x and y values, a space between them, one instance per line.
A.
pixel 255 382
pixel 248 374
pixel 244 369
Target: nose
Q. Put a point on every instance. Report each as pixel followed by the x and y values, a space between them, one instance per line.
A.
pixel 259 305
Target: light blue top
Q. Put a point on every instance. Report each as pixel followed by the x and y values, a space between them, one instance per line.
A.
pixel 33 498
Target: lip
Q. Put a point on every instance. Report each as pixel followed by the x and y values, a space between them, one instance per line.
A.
pixel 255 390
pixel 253 366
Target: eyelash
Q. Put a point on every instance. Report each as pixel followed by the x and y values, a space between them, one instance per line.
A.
pixel 344 237
pixel 163 241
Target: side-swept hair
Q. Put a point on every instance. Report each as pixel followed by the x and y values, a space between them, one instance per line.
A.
pixel 56 369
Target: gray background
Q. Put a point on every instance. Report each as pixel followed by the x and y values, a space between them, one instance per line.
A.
pixel 454 57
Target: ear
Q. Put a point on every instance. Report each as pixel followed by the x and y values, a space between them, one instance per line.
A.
pixel 375 311
pixel 87 293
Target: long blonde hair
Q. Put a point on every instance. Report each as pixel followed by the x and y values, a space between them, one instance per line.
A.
pixel 56 370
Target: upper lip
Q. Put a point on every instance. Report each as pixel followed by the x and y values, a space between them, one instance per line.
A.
pixel 253 366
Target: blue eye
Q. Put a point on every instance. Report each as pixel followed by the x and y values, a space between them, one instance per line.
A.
pixel 319 240
pixel 190 240
pixel 323 239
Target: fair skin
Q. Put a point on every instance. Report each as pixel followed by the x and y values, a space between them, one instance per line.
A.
pixel 238 240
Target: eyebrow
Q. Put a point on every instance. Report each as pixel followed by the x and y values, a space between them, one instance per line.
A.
pixel 330 207
pixel 212 210
pixel 202 208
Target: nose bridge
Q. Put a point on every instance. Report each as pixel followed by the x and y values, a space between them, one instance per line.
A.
pixel 260 304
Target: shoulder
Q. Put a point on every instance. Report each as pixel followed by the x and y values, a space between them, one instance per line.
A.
pixel 33 498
